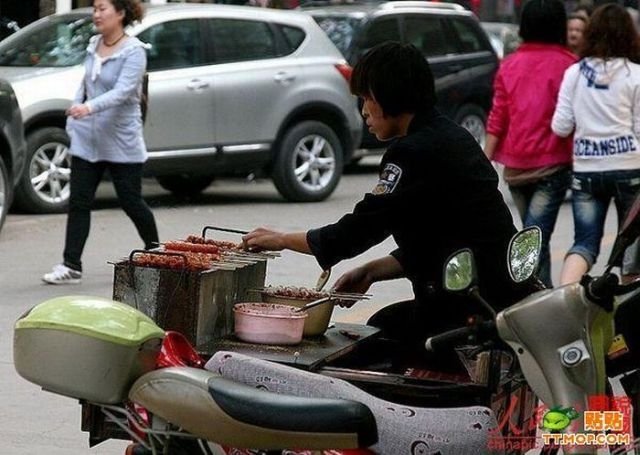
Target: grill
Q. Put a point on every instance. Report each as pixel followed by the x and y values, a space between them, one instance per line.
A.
pixel 197 303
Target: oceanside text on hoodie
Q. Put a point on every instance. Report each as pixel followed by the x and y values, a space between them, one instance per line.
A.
pixel 601 100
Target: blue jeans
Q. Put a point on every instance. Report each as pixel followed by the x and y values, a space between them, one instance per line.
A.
pixel 538 204
pixel 592 194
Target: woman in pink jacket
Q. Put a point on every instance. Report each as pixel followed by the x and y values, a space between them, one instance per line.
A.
pixel 537 163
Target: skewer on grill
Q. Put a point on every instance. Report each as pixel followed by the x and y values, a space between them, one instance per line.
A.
pixel 337 295
pixel 220 249
pixel 261 255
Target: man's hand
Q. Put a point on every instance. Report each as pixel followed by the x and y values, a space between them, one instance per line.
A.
pixel 360 279
pixel 356 280
pixel 262 239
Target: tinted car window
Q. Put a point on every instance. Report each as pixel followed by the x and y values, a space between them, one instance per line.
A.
pixel 339 29
pixel 380 31
pixel 468 36
pixel 428 35
pixel 293 37
pixel 175 44
pixel 239 40
pixel 56 41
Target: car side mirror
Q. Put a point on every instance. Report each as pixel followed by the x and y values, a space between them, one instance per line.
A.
pixel 524 254
pixel 460 271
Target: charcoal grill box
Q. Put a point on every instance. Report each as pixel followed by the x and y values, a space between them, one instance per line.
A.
pixel 199 304
pixel 88 348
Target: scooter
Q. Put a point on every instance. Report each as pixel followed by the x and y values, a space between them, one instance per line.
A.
pixel 563 340
pixel 206 409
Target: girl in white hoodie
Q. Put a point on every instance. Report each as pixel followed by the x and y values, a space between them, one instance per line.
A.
pixel 599 101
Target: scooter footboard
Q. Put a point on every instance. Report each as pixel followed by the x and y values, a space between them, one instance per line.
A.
pixel 233 414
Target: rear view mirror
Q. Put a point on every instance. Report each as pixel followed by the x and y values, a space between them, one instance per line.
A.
pixel 459 271
pixel 524 254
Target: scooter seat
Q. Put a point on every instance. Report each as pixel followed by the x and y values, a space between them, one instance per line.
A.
pixel 231 413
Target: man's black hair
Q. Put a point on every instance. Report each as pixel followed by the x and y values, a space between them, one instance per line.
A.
pixel 397 76
pixel 544 21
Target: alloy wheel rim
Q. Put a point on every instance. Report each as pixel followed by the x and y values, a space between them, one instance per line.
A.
pixel 314 162
pixel 475 126
pixel 50 172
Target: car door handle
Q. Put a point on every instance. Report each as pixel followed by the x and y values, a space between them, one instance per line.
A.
pixel 456 68
pixel 197 84
pixel 283 76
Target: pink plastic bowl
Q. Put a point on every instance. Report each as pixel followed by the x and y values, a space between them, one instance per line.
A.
pixel 268 323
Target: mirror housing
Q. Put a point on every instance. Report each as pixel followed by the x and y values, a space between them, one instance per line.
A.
pixel 524 254
pixel 459 271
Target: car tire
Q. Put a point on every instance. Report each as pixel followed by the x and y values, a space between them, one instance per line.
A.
pixel 181 185
pixel 474 120
pixel 5 192
pixel 308 163
pixel 45 183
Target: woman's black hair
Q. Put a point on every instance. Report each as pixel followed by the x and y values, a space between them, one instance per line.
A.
pixel 397 76
pixel 544 21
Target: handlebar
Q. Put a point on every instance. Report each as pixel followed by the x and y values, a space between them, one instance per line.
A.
pixel 455 336
pixel 601 290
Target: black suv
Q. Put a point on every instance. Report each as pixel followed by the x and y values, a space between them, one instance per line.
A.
pixel 459 52
pixel 13 150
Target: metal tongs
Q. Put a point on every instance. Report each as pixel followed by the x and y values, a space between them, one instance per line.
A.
pixel 222 229
pixel 268 254
pixel 315 303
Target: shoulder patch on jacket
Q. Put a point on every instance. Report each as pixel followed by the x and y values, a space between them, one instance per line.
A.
pixel 389 178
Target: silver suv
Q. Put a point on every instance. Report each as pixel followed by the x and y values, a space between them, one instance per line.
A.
pixel 232 90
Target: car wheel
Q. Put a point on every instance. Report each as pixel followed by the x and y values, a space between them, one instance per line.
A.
pixel 5 192
pixel 474 120
pixel 308 163
pixel 185 185
pixel 44 185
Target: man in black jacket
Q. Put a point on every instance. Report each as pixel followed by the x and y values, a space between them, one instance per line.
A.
pixel 437 193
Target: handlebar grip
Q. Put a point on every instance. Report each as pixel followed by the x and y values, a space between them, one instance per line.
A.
pixel 602 289
pixel 449 338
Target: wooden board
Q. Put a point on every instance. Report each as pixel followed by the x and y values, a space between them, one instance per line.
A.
pixel 310 354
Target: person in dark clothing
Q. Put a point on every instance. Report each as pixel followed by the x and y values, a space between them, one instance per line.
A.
pixel 434 170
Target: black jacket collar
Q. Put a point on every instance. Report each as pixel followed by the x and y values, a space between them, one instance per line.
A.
pixel 421 119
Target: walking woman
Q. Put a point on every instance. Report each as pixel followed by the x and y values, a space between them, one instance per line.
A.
pixel 598 102
pixel 105 127
pixel 537 163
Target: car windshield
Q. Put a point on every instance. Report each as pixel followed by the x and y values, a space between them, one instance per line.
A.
pixel 56 41
pixel 340 29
